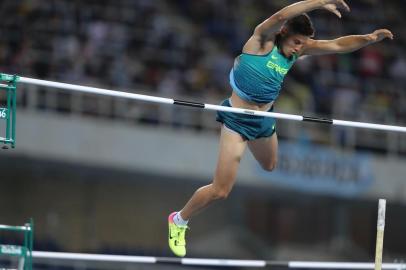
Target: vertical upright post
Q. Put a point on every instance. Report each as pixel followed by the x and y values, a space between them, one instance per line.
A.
pixel 30 245
pixel 8 112
pixel 379 234
pixel 9 85
pixel 24 258
pixel 14 110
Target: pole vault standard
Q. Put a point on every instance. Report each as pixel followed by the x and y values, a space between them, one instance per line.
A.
pixel 9 82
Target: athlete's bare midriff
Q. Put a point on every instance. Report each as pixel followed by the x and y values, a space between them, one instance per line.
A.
pixel 240 103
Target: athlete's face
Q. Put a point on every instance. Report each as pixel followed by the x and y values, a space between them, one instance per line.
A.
pixel 293 44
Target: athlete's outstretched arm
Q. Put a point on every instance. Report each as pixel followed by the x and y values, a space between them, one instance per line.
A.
pixel 273 23
pixel 345 44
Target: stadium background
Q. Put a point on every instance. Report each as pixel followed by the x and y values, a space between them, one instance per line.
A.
pixel 100 175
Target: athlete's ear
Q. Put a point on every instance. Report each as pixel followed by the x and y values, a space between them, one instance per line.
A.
pixel 284 30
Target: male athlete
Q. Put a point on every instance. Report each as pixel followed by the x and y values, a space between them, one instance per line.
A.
pixel 256 80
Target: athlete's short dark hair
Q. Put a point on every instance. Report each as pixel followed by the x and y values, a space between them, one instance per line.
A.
pixel 301 24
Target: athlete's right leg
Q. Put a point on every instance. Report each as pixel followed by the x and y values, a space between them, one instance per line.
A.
pixel 232 147
pixel 265 151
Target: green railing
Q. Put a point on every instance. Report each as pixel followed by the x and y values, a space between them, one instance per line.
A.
pixel 8 84
pixel 23 251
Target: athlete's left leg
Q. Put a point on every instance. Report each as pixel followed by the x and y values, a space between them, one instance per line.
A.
pixel 265 151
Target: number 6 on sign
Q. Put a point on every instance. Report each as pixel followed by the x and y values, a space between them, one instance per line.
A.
pixel 3 113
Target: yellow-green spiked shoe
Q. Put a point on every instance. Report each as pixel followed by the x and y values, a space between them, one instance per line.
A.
pixel 176 237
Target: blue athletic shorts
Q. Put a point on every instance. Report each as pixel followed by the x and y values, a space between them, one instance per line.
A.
pixel 250 127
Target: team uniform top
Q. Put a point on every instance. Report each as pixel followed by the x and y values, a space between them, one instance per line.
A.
pixel 258 78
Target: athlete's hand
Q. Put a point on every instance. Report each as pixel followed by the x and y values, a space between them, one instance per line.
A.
pixel 334 6
pixel 381 34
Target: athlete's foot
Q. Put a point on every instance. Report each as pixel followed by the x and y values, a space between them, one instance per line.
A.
pixel 177 242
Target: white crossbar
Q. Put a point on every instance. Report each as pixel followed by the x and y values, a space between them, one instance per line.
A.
pixel 211 262
pixel 113 93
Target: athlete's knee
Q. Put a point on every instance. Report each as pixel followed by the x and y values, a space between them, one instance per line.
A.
pixel 221 192
pixel 269 166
